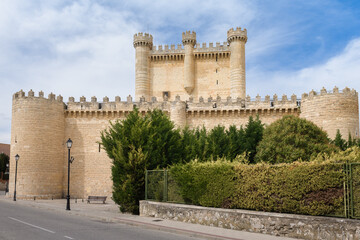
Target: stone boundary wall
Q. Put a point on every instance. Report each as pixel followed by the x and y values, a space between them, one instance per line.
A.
pixel 289 225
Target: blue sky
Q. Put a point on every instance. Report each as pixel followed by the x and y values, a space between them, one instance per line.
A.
pixel 84 48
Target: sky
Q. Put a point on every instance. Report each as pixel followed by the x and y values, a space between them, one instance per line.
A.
pixel 85 47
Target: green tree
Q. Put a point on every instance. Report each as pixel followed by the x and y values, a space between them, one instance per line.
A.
pixel 236 142
pixel 189 144
pixel 218 142
pixel 292 138
pixel 339 142
pixel 253 134
pixel 350 142
pixel 203 152
pixel 135 144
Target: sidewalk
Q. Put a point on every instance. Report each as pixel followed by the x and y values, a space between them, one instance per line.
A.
pixel 109 212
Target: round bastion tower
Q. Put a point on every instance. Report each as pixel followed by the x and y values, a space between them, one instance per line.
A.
pixel 143 44
pixel 37 135
pixel 178 112
pixel 333 110
pixel 189 41
pixel 237 39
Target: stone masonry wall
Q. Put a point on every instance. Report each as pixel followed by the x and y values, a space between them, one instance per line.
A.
pixel 91 170
pixel 41 126
pixel 289 225
pixel 333 110
pixel 211 73
pixel 37 136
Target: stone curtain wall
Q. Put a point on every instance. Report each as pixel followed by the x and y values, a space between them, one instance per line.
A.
pixel 211 73
pixel 289 225
pixel 91 169
pixel 41 126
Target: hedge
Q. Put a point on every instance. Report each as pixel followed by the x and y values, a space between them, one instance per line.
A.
pixel 313 188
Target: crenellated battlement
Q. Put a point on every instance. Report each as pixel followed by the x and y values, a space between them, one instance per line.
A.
pixel 211 103
pixel 21 94
pixel 248 103
pixel 143 39
pixel 335 91
pixel 189 37
pixel 199 48
pixel 237 34
pixel 116 106
pixel 192 105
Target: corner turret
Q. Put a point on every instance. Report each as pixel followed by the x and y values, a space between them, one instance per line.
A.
pixel 37 135
pixel 143 44
pixel 237 39
pixel 189 41
pixel 189 37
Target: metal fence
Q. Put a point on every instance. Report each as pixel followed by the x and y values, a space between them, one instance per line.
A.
pixel 352 190
pixel 160 186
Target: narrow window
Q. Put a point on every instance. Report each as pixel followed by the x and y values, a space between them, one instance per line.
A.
pixel 216 57
pixel 99 147
pixel 166 94
pixel 217 82
pixel 216 70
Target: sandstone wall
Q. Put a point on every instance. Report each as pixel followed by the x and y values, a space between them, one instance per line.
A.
pixel 37 136
pixel 212 73
pixel 333 110
pixel 41 127
pixel 91 170
pixel 212 76
pixel 167 76
pixel 229 112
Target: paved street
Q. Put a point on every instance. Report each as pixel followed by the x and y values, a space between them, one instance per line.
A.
pixel 22 222
pixel 48 219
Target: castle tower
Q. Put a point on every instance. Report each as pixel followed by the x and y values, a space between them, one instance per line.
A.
pixel 178 113
pixel 237 39
pixel 142 44
pixel 37 135
pixel 333 110
pixel 189 40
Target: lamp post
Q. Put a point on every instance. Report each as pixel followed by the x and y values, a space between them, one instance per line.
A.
pixel 7 182
pixel 16 159
pixel 70 160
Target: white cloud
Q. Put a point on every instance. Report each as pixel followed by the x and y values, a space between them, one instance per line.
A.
pixel 84 47
pixel 342 70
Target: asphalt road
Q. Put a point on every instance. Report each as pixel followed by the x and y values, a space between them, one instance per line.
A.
pixel 21 222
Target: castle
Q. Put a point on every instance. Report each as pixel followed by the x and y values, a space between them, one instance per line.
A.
pixel 193 84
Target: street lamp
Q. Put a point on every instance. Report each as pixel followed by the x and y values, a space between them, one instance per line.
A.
pixel 16 159
pixel 7 182
pixel 70 160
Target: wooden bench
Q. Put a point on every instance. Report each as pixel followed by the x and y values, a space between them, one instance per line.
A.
pixel 96 199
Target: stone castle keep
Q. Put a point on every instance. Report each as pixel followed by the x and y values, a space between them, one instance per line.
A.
pixel 193 84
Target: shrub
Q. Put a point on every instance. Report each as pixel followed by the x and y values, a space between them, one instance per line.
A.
pixel 290 139
pixel 207 184
pixel 314 188
pixel 304 188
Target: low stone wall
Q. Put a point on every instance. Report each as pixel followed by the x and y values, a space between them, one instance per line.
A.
pixel 289 225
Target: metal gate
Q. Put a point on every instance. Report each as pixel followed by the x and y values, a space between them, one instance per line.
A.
pixel 352 190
